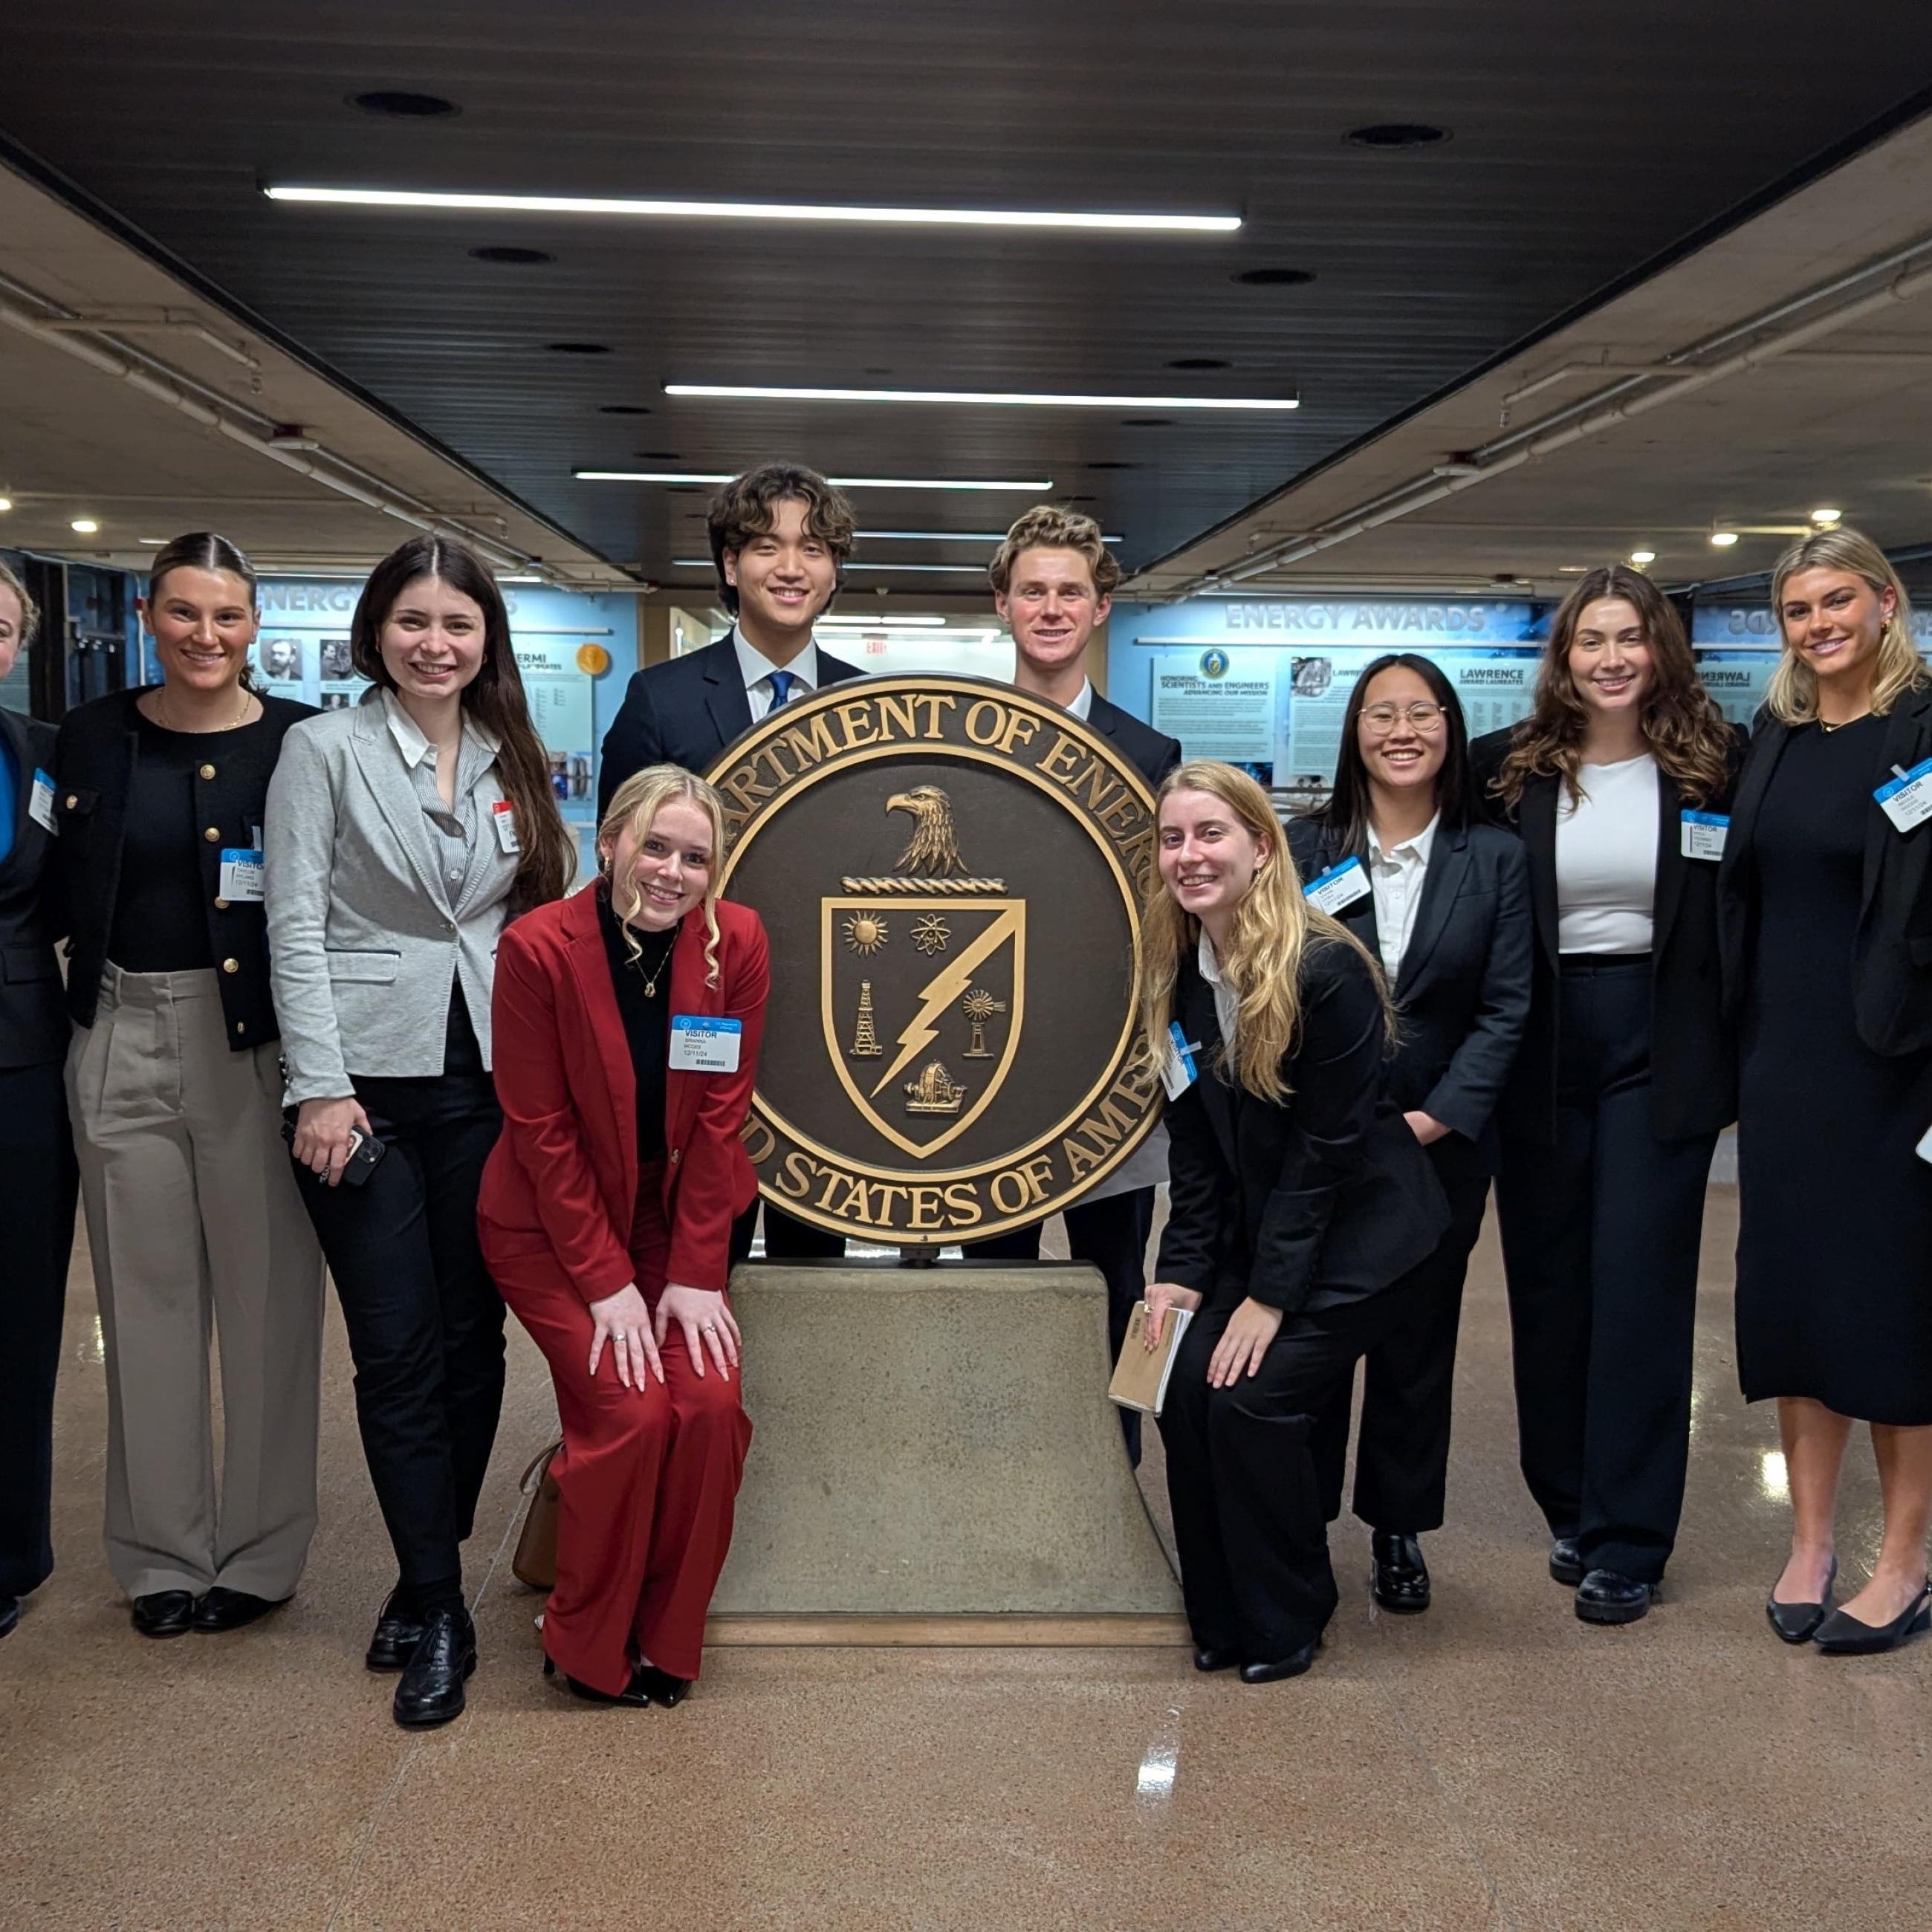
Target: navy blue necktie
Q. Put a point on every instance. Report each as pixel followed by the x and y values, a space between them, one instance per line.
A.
pixel 782 681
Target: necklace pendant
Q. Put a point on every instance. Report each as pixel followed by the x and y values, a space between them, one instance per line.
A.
pixel 650 991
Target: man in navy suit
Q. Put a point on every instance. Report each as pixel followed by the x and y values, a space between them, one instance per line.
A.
pixel 780 535
pixel 1053 584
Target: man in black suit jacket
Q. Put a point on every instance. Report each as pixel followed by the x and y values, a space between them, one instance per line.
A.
pixel 1053 583
pixel 780 535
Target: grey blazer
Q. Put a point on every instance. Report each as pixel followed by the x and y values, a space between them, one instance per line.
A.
pixel 364 944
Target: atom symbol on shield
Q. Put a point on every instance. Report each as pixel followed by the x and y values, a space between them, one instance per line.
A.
pixel 932 935
pixel 866 933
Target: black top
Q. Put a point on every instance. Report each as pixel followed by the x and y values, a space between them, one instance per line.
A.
pixel 99 758
pixel 646 1015
pixel 34 1026
pixel 1462 984
pixel 1326 1197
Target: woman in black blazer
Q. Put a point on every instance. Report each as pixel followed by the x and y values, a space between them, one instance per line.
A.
pixel 175 1092
pixel 1300 1202
pixel 1826 907
pixel 36 1170
pixel 1625 1076
pixel 1443 902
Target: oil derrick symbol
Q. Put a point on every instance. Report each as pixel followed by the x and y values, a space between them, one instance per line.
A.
pixel 865 1042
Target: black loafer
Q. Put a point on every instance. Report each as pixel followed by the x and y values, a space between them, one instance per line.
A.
pixel 1293 1665
pixel 1845 1636
pixel 394 1641
pixel 9 1614
pixel 1605 1597
pixel 164 1613
pixel 1796 1623
pixel 218 1609
pixel 1566 1565
pixel 431 1689
pixel 1398 1577
pixel 635 1694
pixel 660 1686
pixel 1207 1657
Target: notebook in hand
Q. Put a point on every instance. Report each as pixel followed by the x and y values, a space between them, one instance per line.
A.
pixel 1140 1376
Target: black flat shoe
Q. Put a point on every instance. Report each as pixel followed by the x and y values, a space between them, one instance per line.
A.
pixel 635 1694
pixel 218 1609
pixel 164 1613
pixel 1844 1635
pixel 1293 1665
pixel 1398 1577
pixel 430 1691
pixel 394 1641
pixel 1605 1597
pixel 1566 1565
pixel 1207 1657
pixel 1796 1623
pixel 661 1687
pixel 9 1614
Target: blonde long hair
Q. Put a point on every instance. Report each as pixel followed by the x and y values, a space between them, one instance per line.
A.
pixel 1793 695
pixel 635 807
pixel 1274 927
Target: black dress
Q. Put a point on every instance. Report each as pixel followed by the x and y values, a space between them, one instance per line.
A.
pixel 1834 1238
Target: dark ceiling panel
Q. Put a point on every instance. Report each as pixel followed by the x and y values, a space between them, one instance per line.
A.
pixel 1585 144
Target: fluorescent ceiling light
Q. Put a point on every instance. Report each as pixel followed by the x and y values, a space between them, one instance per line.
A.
pixel 1036 486
pixel 942 569
pixel 757 211
pixel 994 398
pixel 879 623
pixel 945 536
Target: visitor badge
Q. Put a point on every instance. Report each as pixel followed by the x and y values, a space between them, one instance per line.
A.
pixel 1178 1072
pixel 41 803
pixel 503 816
pixel 1704 834
pixel 1924 1149
pixel 1341 885
pixel 242 873
pixel 1906 799
pixel 702 1043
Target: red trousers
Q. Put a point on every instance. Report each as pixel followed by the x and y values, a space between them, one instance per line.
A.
pixel 648 1481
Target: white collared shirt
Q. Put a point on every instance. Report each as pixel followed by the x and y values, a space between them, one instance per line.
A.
pixel 757 669
pixel 453 826
pixel 409 734
pixel 1395 878
pixel 1082 707
pixel 1227 1001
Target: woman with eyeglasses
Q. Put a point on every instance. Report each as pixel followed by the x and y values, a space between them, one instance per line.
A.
pixel 1617 783
pixel 1399 854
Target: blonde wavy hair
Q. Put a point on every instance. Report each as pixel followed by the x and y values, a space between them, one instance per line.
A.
pixel 634 808
pixel 1792 696
pixel 1273 928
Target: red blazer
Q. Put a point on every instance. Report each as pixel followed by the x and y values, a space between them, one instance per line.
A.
pixel 566 1164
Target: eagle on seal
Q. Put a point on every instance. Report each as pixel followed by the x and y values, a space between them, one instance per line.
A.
pixel 934 847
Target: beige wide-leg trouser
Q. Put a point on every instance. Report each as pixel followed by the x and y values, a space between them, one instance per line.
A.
pixel 193 1213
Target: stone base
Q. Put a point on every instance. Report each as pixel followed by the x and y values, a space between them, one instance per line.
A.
pixel 934 1443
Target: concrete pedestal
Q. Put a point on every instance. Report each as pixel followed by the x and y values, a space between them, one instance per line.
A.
pixel 935 1460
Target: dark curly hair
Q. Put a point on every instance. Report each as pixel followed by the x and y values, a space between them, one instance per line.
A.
pixel 747 507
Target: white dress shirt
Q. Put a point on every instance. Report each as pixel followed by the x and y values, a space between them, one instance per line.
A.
pixel 757 669
pixel 1227 1001
pixel 1395 878
pixel 1606 859
pixel 1082 705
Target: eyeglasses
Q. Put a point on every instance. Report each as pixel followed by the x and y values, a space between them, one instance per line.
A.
pixel 1381 718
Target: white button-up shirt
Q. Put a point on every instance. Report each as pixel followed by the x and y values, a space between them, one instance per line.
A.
pixel 1395 878
pixel 757 669
pixel 1227 1001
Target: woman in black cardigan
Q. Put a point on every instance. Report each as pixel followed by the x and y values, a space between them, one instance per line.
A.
pixel 1625 1076
pixel 175 1091
pixel 1826 910
pixel 1443 902
pixel 1299 1201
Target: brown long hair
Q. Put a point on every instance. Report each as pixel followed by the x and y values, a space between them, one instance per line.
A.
pixel 494 697
pixel 1685 729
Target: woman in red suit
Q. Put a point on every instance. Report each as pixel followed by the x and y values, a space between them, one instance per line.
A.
pixel 606 1218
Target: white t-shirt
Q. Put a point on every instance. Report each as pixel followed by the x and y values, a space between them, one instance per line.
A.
pixel 1606 859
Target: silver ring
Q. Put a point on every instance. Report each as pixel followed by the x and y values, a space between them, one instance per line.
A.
pixel 709 1329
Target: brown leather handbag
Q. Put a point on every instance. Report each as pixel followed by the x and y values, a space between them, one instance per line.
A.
pixel 535 1562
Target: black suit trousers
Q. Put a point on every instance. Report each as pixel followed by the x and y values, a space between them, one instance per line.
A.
pixel 38 1186
pixel 1409 1379
pixel 1243 1479
pixel 1599 1237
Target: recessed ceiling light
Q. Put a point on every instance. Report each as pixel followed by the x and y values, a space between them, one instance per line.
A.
pixel 1147 422
pixel 578 348
pixel 512 257
pixel 1724 539
pixel 1826 517
pixel 86 526
pixel 1199 362
pixel 1396 134
pixel 740 211
pixel 1272 278
pixel 945 536
pixel 996 398
pixel 6 504
pixel 1036 486
pixel 1643 556
pixel 410 106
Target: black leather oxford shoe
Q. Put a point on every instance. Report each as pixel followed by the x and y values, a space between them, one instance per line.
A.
pixel 1605 1597
pixel 430 1691
pixel 1398 1577
pixel 394 1641
pixel 1566 1565
pixel 218 1609
pixel 164 1613
pixel 1293 1665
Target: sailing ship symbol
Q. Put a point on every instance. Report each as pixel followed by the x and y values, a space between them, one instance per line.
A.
pixel 935 1091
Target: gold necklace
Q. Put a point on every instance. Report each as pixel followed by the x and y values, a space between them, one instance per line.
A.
pixel 637 965
pixel 161 707
pixel 1825 727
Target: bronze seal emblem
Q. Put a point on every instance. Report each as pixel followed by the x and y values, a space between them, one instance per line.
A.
pixel 950 872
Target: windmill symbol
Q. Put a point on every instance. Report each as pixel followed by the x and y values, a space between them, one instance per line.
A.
pixel 980 1006
pixel 865 1042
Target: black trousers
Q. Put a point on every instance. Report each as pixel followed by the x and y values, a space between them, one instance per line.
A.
pixel 1599 1234
pixel 39 1184
pixel 1112 1235
pixel 425 1321
pixel 1408 1381
pixel 1242 1477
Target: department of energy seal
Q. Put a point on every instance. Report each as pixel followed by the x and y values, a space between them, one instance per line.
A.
pixel 951 875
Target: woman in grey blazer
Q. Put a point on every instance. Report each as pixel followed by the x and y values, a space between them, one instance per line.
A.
pixel 401 835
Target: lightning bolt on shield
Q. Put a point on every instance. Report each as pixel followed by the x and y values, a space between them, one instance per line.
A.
pixel 947 985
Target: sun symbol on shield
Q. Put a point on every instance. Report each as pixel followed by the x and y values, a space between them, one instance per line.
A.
pixel 866 933
pixel 931 934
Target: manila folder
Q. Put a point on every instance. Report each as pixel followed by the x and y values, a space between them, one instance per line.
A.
pixel 1140 1376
